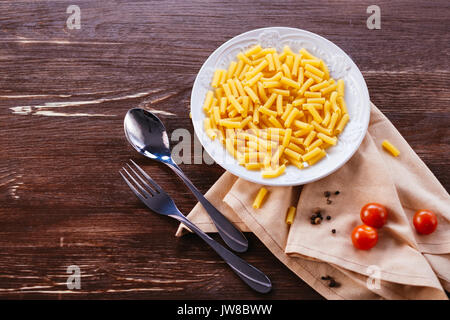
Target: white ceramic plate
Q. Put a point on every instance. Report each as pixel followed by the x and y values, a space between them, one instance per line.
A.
pixel 340 65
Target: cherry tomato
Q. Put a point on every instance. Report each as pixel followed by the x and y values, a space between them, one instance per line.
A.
pixel 364 237
pixel 425 221
pixel 374 215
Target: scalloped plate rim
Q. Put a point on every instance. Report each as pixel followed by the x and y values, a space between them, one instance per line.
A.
pixel 282 180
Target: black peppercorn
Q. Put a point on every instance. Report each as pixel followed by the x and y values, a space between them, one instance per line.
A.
pixel 333 231
pixel 327 194
pixel 337 192
pixel 328 217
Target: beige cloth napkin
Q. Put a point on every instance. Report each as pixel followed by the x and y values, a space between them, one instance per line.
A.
pixel 403 265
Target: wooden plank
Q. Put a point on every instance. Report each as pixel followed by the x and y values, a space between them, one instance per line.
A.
pixel 63 94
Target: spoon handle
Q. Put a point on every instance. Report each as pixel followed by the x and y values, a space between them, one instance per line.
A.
pixel 252 276
pixel 229 233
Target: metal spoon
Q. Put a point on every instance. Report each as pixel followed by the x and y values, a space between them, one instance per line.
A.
pixel 147 134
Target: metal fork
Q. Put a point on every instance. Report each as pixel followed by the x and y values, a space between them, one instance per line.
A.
pixel 154 197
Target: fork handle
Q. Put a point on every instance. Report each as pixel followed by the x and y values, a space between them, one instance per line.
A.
pixel 231 235
pixel 252 276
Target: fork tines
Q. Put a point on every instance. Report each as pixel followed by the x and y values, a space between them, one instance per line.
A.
pixel 147 186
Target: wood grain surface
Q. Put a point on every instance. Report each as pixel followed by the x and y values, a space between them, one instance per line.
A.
pixel 63 95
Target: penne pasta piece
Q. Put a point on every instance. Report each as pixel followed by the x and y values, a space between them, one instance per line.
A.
pixel 327 112
pixel 267 111
pixel 305 86
pixel 296 163
pixel 233 88
pixel 317 158
pixel 293 154
pixel 216 78
pixel 309 138
pixel 313 62
pixel 311 75
pixel 327 139
pixel 264 52
pixel 208 129
pixel 208 100
pixel 288 109
pixel 262 93
pixel 229 124
pixel 271 62
pixel 231 69
pixel 302 132
pixel 333 101
pixel 319 86
pixel 310 94
pixel 245 122
pixel 239 67
pixel 298 102
pixel 243 72
pixel 296 148
pixel 253 80
pixel 311 154
pixel 305 54
pixel 281 92
pixel 253 50
pixel 324 68
pixel 216 115
pixel 273 173
pixel 289 61
pixel 300 76
pixel 253 166
pixel 276 59
pixel 244 58
pixel 342 105
pixel 390 147
pixel 340 87
pixel 316 100
pixel 328 89
pixel 271 84
pixel 291 117
pixel 334 118
pixel 319 128
pixel 270 101
pixel 276 77
pixel 275 122
pixel 314 113
pixel 290 215
pixel 342 123
pixel 239 87
pixel 286 70
pixel 287 137
pixel 319 73
pixel 279 104
pixel 315 144
pixel 289 82
pixel 260 67
pixel 296 64
pixel 235 103
pixel 252 94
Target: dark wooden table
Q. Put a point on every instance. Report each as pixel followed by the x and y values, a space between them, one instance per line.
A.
pixel 63 95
